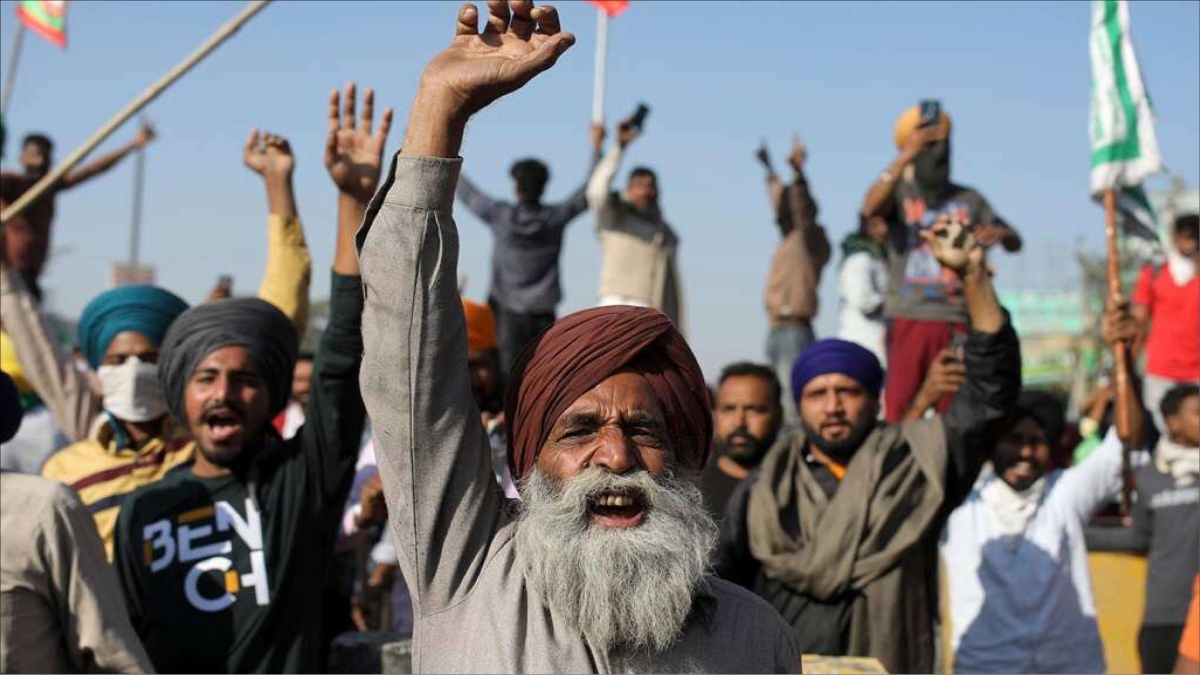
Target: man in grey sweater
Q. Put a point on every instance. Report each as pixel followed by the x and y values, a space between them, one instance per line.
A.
pixel 603 568
pixel 528 234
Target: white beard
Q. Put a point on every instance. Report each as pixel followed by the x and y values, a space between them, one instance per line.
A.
pixel 620 588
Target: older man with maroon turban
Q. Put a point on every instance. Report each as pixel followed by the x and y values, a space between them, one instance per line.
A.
pixel 603 567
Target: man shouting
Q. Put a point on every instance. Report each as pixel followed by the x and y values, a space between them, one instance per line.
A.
pixel 603 568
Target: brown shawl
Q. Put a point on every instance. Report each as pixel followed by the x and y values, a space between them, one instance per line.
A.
pixel 870 541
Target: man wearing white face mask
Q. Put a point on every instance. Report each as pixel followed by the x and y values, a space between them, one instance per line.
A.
pixel 133 441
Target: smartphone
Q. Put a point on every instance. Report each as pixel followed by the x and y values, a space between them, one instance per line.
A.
pixel 931 111
pixel 225 281
pixel 639 116
pixel 958 343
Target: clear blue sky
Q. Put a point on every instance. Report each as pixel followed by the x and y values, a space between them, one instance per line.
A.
pixel 719 77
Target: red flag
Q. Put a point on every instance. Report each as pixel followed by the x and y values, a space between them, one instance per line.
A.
pixel 611 7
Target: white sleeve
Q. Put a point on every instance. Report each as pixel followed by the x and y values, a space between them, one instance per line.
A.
pixel 1086 485
pixel 600 184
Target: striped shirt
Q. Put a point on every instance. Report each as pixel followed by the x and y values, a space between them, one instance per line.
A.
pixel 103 473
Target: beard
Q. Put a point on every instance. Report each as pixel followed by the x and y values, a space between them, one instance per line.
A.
pixel 749 451
pixel 620 588
pixel 840 450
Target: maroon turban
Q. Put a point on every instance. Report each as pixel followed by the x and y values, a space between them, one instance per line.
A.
pixel 582 350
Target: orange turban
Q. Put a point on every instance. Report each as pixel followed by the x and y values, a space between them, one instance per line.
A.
pixel 910 120
pixel 481 325
pixel 582 350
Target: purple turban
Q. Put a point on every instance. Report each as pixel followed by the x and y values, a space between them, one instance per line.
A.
pixel 837 356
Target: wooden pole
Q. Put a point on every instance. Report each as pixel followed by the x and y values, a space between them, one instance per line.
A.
pixel 10 74
pixel 1121 354
pixel 601 67
pixel 133 107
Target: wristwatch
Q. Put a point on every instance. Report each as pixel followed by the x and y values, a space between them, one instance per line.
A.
pixel 885 177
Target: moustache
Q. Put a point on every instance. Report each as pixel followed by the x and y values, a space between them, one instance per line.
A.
pixel 223 408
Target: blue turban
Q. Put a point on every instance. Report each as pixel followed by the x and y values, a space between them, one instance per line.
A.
pixel 148 310
pixel 837 356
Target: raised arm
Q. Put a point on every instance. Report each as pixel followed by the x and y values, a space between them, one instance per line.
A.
pixel 48 368
pixel 577 203
pixel 88 171
pixel 477 201
pixel 443 502
pixel 880 197
pixel 335 415
pixel 600 185
pixel 991 355
pixel 288 273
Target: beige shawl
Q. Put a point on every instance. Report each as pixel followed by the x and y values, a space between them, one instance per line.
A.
pixel 874 540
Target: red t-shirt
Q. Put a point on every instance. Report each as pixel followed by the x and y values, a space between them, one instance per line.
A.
pixel 1173 346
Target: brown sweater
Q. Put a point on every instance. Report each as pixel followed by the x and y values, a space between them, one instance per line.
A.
pixel 791 289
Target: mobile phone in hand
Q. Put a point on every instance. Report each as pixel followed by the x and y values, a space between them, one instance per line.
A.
pixel 639 117
pixel 931 111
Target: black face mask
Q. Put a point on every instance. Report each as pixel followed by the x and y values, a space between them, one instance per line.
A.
pixel 932 167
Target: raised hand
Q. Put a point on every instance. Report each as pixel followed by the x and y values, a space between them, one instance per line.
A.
pixel 626 133
pixel 145 135
pixel 353 150
pixel 597 135
pixel 519 42
pixel 919 138
pixel 1118 324
pixel 953 245
pixel 798 154
pixel 268 155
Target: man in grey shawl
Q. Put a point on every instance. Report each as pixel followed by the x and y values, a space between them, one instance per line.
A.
pixel 603 565
pixel 839 530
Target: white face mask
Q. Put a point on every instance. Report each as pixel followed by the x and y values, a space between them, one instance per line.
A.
pixel 131 390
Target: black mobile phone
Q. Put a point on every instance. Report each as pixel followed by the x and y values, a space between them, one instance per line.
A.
pixel 225 281
pixel 639 116
pixel 958 343
pixel 931 110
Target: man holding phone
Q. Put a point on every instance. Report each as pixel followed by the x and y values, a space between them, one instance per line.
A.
pixel 924 305
pixel 639 247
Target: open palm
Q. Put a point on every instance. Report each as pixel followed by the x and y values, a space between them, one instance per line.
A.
pixel 519 42
pixel 353 149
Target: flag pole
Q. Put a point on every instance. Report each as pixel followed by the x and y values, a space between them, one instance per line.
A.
pixel 1120 353
pixel 10 74
pixel 135 227
pixel 132 108
pixel 601 63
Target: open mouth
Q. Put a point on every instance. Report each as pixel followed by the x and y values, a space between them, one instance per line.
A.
pixel 618 508
pixel 223 425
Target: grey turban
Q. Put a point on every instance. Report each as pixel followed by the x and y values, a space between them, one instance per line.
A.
pixel 253 324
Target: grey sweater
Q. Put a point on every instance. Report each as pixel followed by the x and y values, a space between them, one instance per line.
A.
pixel 474 611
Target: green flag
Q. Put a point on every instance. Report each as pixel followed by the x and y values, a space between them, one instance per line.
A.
pixel 1124 150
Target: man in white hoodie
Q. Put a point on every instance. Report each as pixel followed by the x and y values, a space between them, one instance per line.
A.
pixel 1016 558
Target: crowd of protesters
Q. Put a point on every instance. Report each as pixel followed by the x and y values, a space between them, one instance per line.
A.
pixel 188 491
